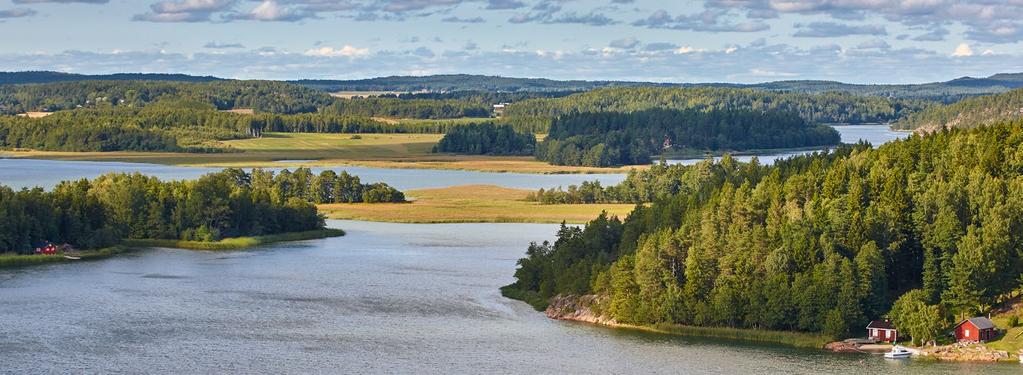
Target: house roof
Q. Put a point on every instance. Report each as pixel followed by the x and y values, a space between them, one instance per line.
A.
pixel 980 322
pixel 881 324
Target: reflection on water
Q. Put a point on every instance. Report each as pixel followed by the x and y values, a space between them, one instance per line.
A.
pixel 387 298
pixel 876 135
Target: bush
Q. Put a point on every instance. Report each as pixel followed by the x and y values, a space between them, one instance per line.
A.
pixel 1013 321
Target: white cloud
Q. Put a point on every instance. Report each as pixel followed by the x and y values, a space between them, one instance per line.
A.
pixel 963 50
pixel 346 51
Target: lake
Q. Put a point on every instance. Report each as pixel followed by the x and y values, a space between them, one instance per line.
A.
pixel 874 134
pixel 19 173
pixel 387 298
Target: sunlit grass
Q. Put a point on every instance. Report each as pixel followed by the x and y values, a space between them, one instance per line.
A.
pixel 471 204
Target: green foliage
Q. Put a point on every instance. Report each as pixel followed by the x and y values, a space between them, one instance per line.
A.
pixel 602 139
pixel 486 139
pixel 261 96
pixel 969 113
pixel 917 319
pixel 831 107
pixel 408 108
pixel 227 204
pixel 817 243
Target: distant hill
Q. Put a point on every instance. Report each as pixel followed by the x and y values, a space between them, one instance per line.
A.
pixel 968 113
pixel 464 82
pixel 944 92
pixel 51 77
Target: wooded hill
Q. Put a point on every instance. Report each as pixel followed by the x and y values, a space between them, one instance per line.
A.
pixel 944 92
pixel 820 243
pixel 536 114
pixel 603 139
pixel 969 113
pixel 90 214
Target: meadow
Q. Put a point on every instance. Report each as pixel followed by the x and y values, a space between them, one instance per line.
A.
pixel 402 151
pixel 471 204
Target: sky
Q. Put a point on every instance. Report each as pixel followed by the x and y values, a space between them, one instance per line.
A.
pixel 743 41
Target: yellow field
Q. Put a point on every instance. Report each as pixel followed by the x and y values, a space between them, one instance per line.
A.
pixel 471 204
pixel 330 150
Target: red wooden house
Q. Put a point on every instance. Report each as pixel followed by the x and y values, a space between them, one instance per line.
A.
pixel 979 329
pixel 882 330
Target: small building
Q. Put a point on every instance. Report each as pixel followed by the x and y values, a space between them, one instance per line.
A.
pixel 979 329
pixel 45 247
pixel 882 330
pixel 499 109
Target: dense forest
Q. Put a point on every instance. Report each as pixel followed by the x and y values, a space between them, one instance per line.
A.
pixel 177 125
pixel 486 139
pixel 231 203
pixel 42 76
pixel 601 139
pixel 920 230
pixel 408 108
pixel 973 112
pixel 260 96
pixel 536 114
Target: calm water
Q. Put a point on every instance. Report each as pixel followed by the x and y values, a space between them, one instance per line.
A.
pixel 875 134
pixel 20 173
pixel 387 298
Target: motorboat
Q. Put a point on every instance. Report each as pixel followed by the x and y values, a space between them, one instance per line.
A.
pixel 898 352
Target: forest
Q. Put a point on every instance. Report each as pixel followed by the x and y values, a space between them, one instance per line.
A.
pixel 921 230
pixel 973 112
pixel 486 139
pixel 91 214
pixel 602 139
pixel 176 125
pixel 832 107
pixel 408 108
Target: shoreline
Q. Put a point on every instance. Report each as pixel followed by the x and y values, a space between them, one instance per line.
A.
pixel 469 163
pixel 576 309
pixel 236 243
pixel 127 246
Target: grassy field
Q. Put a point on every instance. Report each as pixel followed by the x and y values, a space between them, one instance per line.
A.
pixel 238 242
pixel 322 150
pixel 471 203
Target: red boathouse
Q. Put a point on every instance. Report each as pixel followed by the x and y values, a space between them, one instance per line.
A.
pixel 979 329
pixel 882 330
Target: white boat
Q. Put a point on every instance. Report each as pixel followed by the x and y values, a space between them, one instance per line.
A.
pixel 898 352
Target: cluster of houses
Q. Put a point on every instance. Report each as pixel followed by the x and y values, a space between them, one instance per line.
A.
pixel 977 329
pixel 49 248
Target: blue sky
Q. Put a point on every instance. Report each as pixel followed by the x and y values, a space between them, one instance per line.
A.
pixel 862 41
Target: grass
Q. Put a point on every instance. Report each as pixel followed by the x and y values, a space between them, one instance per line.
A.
pixel 237 242
pixel 794 339
pixel 1012 340
pixel 16 260
pixel 402 151
pixel 471 204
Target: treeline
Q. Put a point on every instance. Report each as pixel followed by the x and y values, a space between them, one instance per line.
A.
pixel 230 203
pixel 602 139
pixel 260 96
pixel 536 114
pixel 969 113
pixel 486 139
pixel 660 181
pixel 325 187
pixel 99 213
pixel 819 243
pixel 483 97
pixel 172 125
pixel 410 108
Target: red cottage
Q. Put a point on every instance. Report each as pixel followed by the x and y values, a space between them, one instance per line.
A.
pixel 979 329
pixel 882 330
